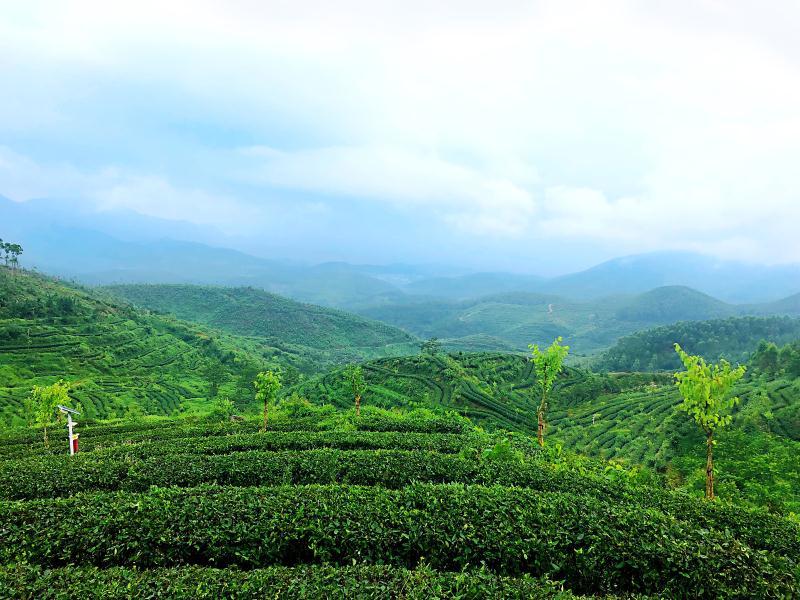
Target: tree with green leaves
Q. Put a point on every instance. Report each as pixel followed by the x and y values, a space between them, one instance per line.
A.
pixel 11 253
pixel 432 346
pixel 767 358
pixel 548 363
pixel 43 402
pixel 267 384
pixel 706 391
pixel 354 375
pixel 215 375
pixel 223 408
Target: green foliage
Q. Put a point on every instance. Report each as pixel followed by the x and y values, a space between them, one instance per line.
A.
pixel 773 361
pixel 43 402
pixel 116 356
pixel 311 582
pixel 223 408
pixel 706 398
pixel 548 365
pixel 732 339
pixel 315 337
pixel 598 546
pixel 267 385
pixel 509 321
pixel 431 346
pixel 705 390
pixel 10 253
pixel 354 375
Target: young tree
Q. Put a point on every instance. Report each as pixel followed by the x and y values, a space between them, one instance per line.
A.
pixel 548 363
pixel 43 402
pixel 267 384
pixel 706 398
pixel 354 375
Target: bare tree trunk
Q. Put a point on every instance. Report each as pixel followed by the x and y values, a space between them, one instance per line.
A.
pixel 541 424
pixel 46 441
pixel 710 465
pixel 358 406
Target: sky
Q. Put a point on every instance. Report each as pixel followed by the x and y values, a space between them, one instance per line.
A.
pixel 526 136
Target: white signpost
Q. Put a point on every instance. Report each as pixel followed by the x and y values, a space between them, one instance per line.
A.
pixel 70 424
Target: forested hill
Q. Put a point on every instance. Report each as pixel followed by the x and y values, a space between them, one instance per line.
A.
pixel 334 336
pixel 734 339
pixel 119 359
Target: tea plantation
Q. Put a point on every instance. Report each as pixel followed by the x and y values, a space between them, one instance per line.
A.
pixel 326 504
pixel 628 417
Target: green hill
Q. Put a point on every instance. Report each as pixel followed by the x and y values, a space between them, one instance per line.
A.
pixel 517 319
pixel 733 339
pixel 493 389
pixel 630 417
pixel 331 336
pixel 388 506
pixel 673 303
pixel 118 358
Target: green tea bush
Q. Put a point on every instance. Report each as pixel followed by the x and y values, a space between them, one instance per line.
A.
pixel 310 582
pixel 61 476
pixel 593 544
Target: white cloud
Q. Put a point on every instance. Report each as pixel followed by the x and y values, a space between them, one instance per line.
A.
pixel 470 199
pixel 22 178
pixel 633 126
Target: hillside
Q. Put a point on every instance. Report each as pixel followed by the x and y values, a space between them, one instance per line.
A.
pixel 492 389
pixel 733 339
pixel 119 359
pixel 629 417
pixel 332 336
pixel 511 321
pixel 414 507
pixel 517 319
pixel 673 303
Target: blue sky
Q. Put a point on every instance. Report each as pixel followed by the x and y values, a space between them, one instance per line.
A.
pixel 530 136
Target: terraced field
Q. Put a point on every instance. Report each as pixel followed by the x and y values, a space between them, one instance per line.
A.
pixel 323 335
pixel 493 389
pixel 628 417
pixel 116 358
pixel 388 505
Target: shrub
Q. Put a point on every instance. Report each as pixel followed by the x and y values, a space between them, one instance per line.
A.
pixel 361 581
pixel 592 544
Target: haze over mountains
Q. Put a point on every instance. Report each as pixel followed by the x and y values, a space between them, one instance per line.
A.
pixel 117 246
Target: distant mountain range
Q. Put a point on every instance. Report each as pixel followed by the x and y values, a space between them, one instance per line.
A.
pixel 114 246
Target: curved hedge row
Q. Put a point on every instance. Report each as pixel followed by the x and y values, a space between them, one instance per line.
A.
pixel 308 581
pixel 301 440
pixel 50 477
pixel 592 544
pixel 271 440
pixel 378 421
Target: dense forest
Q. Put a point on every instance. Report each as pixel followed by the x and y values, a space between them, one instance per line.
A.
pixel 734 339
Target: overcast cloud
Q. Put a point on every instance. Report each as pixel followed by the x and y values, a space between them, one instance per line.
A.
pixel 495 134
